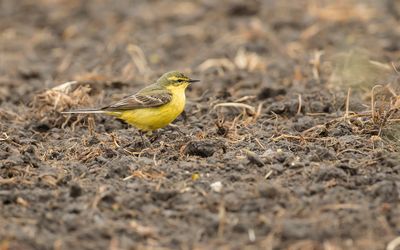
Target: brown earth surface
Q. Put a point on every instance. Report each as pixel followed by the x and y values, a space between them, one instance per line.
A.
pixel 272 151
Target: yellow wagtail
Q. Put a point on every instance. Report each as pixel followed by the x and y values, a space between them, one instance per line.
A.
pixel 153 107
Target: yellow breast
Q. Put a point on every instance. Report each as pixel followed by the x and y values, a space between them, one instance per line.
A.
pixel 148 119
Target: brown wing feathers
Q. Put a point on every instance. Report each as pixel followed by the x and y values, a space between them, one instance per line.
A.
pixel 141 100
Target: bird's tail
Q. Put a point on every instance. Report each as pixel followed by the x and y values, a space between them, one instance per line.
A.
pixel 84 111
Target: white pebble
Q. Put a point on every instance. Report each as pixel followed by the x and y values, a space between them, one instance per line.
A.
pixel 216 186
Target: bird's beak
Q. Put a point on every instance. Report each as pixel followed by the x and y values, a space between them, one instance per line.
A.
pixel 192 80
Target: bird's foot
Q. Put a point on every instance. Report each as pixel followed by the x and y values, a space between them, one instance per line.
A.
pixel 146 143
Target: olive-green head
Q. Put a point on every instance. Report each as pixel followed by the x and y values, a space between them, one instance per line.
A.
pixel 175 79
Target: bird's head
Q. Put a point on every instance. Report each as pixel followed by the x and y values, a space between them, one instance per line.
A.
pixel 175 79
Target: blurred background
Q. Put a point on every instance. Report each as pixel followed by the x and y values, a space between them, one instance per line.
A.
pixel 53 41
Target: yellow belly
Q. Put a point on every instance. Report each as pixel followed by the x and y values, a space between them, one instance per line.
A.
pixel 148 119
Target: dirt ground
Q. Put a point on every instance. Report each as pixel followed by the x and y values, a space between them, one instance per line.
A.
pixel 272 151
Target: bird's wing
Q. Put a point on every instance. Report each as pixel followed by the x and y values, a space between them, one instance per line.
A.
pixel 152 96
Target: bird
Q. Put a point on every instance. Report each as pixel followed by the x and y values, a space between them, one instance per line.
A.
pixel 151 108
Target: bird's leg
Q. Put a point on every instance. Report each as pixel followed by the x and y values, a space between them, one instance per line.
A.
pixel 184 116
pixel 145 142
pixel 141 136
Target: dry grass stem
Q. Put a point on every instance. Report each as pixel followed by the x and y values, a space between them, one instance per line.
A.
pixel 217 63
pixel 346 115
pixel 300 105
pixel 250 109
pixel 393 244
pixel 139 59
